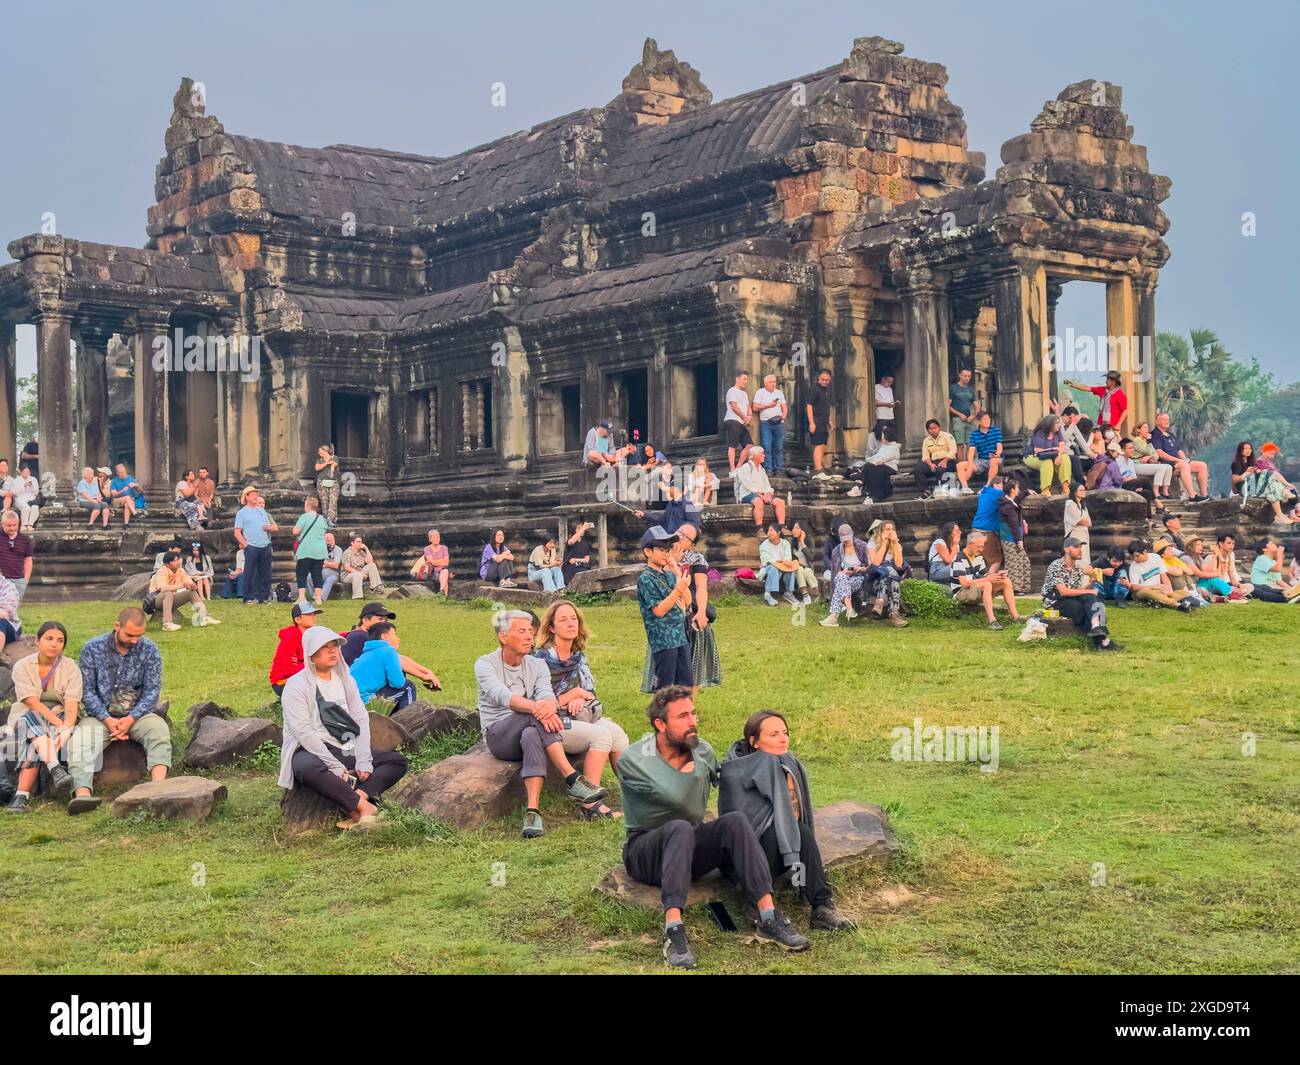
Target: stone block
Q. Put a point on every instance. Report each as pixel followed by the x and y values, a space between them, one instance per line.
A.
pixel 176 799
pixel 219 741
pixel 133 589
pixel 304 810
pixel 422 719
pixel 122 766
pixel 387 734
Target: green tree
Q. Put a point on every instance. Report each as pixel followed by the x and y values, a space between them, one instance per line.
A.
pixel 27 411
pixel 1200 384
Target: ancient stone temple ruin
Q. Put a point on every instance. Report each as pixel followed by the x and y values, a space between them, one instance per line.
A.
pixel 455 325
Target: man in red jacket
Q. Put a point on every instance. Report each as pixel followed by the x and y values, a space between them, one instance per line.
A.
pixel 288 655
pixel 1112 402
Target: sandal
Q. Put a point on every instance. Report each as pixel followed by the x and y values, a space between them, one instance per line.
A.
pixel 598 811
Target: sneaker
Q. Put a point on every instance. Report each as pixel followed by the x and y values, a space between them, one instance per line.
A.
pixel 967 491
pixel 926 494
pixel 849 612
pixel 995 626
pixel 821 475
pixel 1186 606
pixel 780 931
pixel 19 805
pixel 83 804
pixel 767 598
pixel 1109 645
pixel 878 607
pixel 897 620
pixel 532 825
pixel 171 626
pixel 791 598
pixel 855 491
pixel 210 620
pixel 584 791
pixel 830 621
pixel 60 780
pixel 1199 499
pixel 828 919
pixel 677 950
pixel 807 599
pixel 867 501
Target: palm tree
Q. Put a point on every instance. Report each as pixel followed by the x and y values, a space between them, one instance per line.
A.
pixel 1198 383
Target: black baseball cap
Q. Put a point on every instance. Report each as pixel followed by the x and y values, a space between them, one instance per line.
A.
pixel 376 610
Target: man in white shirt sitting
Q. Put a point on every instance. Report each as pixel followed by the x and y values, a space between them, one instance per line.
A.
pixel 1148 580
pixel 753 486
pixel 881 465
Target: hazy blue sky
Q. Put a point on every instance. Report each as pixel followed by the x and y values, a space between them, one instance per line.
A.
pixel 85 95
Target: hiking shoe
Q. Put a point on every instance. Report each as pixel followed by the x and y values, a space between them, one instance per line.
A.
pixel 995 626
pixel 677 950
pixel 532 825
pixel 584 791
pixel 828 919
pixel 878 607
pixel 898 621
pixel 83 804
pixel 60 780
pixel 780 931
pixel 19 805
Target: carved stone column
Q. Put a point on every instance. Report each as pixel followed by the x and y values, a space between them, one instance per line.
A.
pixel 151 338
pixel 10 446
pixel 1143 397
pixel 924 298
pixel 1020 299
pixel 92 397
pixel 54 398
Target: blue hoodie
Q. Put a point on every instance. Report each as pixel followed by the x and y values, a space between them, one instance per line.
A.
pixel 378 665
pixel 986 510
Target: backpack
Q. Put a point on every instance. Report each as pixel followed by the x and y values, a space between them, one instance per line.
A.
pixel 283 593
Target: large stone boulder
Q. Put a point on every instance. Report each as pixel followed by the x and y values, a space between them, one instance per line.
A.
pixel 16 649
pixel 606 579
pixel 412 590
pixel 219 741
pixel 176 799
pixel 422 719
pixel 304 810
pixel 196 713
pixel 133 589
pixel 122 766
pixel 468 790
pixel 847 833
pixel 387 734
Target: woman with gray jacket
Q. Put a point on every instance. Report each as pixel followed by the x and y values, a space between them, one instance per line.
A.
pixel 764 781
pixel 327 733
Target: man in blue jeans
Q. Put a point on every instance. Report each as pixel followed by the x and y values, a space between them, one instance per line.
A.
pixel 770 404
pixel 253 528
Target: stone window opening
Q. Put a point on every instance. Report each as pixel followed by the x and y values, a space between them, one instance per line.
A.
pixel 350 424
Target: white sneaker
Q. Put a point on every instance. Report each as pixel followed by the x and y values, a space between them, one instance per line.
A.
pixel 210 620
pixel 966 490
pixel 767 598
pixel 849 612
pixel 855 491
pixel 170 626
pixel 830 621
pixel 807 599
pixel 821 475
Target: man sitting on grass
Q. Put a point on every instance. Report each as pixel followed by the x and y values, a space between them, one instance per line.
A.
pixel 1266 574
pixel 520 718
pixel 971 581
pixel 289 658
pixel 666 777
pixel 121 678
pixel 1068 587
pixel 1148 580
pixel 381 671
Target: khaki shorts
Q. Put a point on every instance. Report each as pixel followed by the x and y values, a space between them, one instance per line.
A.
pixel 968 595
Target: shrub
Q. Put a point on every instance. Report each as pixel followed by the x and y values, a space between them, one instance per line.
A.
pixel 928 600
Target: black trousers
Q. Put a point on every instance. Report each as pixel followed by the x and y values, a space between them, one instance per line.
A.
pixel 500 571
pixel 813 886
pixel 310 772
pixel 257 573
pixel 674 854
pixel 879 481
pixel 308 567
pixel 1266 594
pixel 1081 609
pixel 927 479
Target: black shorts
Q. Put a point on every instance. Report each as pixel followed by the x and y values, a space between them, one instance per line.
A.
pixel 819 437
pixel 673 666
pixel 737 433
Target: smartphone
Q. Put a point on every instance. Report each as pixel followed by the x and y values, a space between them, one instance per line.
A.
pixel 720 917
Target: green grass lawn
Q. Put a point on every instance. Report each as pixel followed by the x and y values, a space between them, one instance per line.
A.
pixel 1133 762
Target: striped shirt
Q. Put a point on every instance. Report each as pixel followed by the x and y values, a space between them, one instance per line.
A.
pixel 965 566
pixel 986 443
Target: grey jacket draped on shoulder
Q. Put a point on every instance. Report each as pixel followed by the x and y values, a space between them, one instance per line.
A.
pixel 754 784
